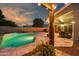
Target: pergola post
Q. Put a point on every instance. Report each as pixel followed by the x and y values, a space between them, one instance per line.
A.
pixel 51 27
pixel 51 21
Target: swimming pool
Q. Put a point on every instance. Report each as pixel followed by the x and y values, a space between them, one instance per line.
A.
pixel 17 39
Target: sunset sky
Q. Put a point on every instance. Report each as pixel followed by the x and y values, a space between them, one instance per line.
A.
pixel 23 14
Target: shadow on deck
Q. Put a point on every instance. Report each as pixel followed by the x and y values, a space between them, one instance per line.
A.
pixel 70 51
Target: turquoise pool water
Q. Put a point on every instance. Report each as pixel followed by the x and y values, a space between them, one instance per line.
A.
pixel 17 39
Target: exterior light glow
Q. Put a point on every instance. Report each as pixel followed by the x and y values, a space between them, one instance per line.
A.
pixel 39 4
pixel 61 19
pixel 72 22
pixel 54 6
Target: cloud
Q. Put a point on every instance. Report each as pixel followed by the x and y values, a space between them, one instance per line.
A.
pixel 23 13
pixel 17 15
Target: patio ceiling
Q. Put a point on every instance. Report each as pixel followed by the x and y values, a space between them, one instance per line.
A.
pixel 56 7
pixel 65 18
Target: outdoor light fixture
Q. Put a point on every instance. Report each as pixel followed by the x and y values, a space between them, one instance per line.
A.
pixel 54 6
pixel 61 19
pixel 39 4
pixel 72 22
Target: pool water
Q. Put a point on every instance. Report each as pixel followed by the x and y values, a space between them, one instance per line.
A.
pixel 17 39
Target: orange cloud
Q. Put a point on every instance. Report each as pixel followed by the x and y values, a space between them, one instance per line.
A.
pixel 13 15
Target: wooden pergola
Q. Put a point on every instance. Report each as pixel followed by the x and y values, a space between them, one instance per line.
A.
pixel 51 19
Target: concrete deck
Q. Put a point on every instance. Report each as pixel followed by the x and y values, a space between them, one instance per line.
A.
pixel 62 42
pixel 68 51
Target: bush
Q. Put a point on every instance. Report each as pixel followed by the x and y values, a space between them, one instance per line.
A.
pixel 45 49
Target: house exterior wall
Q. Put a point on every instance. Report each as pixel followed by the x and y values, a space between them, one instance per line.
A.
pixel 75 8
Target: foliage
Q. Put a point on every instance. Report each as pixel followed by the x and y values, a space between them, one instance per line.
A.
pixel 38 22
pixel 45 49
pixel 4 22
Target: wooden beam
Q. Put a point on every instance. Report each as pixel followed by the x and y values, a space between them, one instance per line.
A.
pixel 59 11
pixel 47 5
pixel 51 20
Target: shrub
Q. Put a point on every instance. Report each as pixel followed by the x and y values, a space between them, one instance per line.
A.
pixel 45 49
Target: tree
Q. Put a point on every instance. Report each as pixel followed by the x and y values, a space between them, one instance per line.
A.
pixel 1 16
pixel 4 22
pixel 38 22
